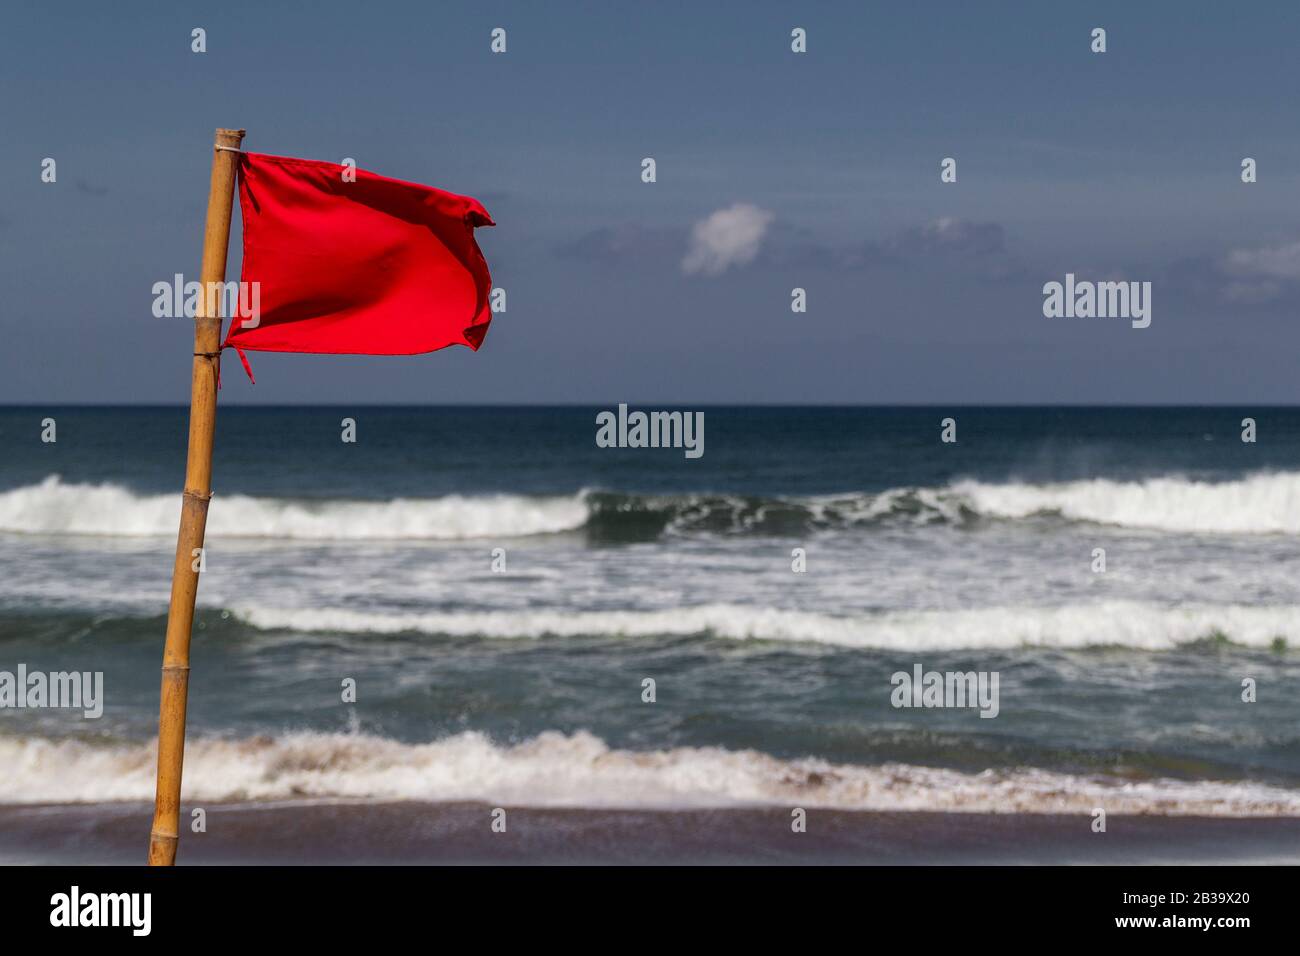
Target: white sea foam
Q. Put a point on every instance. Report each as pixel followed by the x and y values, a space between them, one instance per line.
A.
pixel 580 770
pixel 55 507
pixel 1257 504
pixel 1120 623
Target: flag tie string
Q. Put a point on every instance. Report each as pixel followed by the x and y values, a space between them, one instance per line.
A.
pixel 213 355
pixel 217 355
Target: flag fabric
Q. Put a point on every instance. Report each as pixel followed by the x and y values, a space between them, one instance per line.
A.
pixel 374 266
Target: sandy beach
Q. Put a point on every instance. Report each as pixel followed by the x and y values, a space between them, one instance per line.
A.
pixel 406 833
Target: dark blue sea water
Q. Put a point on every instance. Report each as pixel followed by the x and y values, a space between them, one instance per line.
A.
pixel 500 589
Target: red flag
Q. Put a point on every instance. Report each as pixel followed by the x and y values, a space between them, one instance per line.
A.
pixel 376 266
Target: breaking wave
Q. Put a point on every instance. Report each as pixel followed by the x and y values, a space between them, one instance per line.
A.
pixel 581 770
pixel 53 507
pixel 1257 504
pixel 1131 624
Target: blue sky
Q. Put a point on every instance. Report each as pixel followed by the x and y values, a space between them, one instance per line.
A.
pixel 1124 164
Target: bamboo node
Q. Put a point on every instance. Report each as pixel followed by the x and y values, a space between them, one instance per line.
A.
pixel 198 495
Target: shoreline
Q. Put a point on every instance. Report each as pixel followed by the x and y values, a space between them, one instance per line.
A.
pixel 413 833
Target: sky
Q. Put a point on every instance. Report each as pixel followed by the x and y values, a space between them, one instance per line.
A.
pixel 775 170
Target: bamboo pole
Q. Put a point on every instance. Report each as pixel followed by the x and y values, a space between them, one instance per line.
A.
pixel 194 503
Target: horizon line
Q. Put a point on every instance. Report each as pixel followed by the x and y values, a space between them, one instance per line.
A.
pixel 662 405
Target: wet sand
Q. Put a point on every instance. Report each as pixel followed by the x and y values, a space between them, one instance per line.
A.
pixel 461 833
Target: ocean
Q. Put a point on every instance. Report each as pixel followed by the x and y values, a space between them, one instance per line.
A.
pixel 500 589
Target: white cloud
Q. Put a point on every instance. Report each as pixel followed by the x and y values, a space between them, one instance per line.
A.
pixel 1273 262
pixel 726 238
pixel 1252 293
